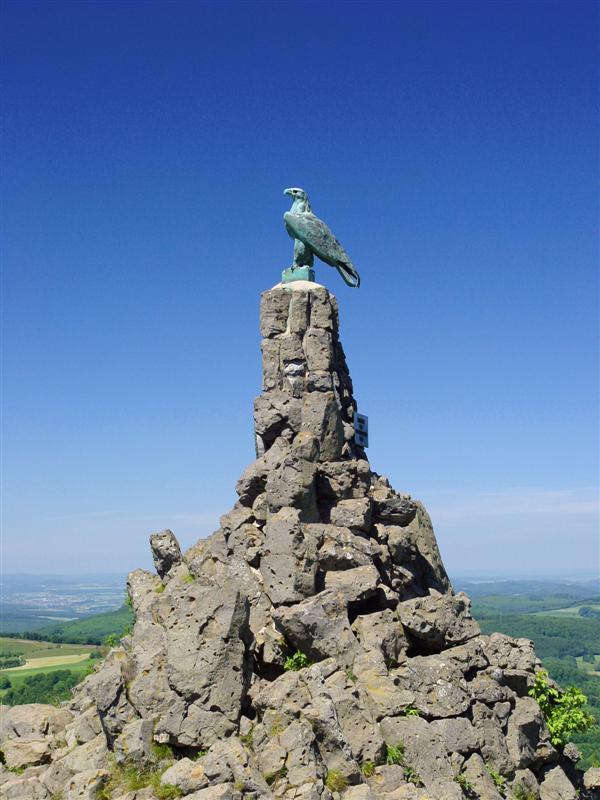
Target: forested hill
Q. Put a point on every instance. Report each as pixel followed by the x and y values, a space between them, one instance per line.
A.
pixel 562 619
pixel 88 630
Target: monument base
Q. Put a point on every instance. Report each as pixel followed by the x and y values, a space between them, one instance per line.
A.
pixel 297 274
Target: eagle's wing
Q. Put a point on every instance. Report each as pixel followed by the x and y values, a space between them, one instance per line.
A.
pixel 315 234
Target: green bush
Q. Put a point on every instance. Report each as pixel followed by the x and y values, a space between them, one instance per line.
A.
pixel 296 662
pixel 409 711
pixel 562 710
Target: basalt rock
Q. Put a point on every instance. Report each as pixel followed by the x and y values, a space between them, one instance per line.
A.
pixel 312 647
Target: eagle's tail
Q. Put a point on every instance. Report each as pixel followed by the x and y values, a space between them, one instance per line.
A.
pixel 348 273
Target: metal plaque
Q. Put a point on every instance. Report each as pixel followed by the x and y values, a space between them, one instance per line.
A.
pixel 361 429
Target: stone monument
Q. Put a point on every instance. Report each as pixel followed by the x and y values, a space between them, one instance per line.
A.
pixel 312 648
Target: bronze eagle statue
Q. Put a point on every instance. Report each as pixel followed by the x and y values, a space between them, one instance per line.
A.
pixel 312 237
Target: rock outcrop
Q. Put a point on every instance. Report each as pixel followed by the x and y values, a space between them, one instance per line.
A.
pixel 311 648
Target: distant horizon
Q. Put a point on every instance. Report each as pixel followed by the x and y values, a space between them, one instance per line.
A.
pixel 570 575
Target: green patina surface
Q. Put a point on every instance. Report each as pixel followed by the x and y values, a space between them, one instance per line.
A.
pixel 297 274
pixel 312 238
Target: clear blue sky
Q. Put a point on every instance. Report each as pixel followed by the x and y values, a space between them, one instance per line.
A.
pixel 452 147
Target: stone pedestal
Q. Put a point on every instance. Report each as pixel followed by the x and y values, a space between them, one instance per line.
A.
pixel 306 383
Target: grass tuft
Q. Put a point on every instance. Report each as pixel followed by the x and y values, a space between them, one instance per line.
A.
pixel 394 754
pixel 273 777
pixel 162 752
pixel 467 787
pixel 368 769
pixel 335 781
pixel 412 776
pixel 498 779
pixel 521 792
pixel 126 777
pixel 247 738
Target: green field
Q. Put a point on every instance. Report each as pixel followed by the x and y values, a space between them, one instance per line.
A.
pixel 31 649
pixel 19 678
pixel 555 605
pixel 57 658
pixel 568 611
pixel 590 668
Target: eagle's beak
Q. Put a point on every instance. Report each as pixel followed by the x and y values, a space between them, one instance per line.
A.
pixel 288 191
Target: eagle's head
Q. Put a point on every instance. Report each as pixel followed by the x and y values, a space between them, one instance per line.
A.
pixel 297 194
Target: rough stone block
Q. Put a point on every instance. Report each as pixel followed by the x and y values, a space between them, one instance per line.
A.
pixel 166 552
pixel 556 786
pixel 290 348
pixel 318 348
pixel 355 585
pixel 526 730
pixel 318 627
pixel 438 685
pixel 425 751
pixel 353 514
pixel 340 480
pixel 289 564
pixel 299 312
pixel 382 632
pixel 480 779
pixel 342 549
pixel 292 484
pixel 321 417
pixel 438 621
pixel 274 309
pixel 322 312
pixel 271 364
pixel 458 735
